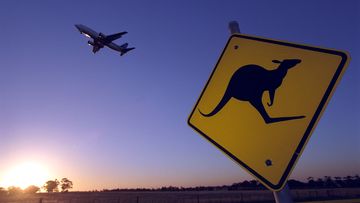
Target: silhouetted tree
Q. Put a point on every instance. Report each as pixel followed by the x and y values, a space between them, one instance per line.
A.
pixel 295 184
pixel 51 186
pixel 32 189
pixel 338 181
pixel 319 183
pixel 245 184
pixel 235 186
pixel 66 184
pixel 253 183
pixel 357 180
pixel 329 182
pixel 348 181
pixel 13 190
pixel 311 182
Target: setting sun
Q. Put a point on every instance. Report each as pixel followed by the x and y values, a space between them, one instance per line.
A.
pixel 24 175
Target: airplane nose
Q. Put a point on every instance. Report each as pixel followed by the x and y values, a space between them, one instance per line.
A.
pixel 78 26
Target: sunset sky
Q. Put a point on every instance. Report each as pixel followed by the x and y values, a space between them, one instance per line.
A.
pixel 106 121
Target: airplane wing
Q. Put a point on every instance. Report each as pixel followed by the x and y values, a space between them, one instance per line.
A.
pixel 113 37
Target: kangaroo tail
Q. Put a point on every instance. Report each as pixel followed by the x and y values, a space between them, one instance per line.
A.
pixel 221 104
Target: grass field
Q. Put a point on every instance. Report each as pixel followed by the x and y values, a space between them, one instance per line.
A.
pixel 305 196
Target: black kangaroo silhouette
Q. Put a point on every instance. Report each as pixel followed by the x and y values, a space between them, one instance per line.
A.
pixel 249 82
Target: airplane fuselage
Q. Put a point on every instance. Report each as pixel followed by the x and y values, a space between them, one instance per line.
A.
pixel 88 32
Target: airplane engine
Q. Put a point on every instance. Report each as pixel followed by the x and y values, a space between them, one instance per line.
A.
pixel 101 35
pixel 91 43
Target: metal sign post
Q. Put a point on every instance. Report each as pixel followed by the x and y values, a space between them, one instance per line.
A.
pixel 281 196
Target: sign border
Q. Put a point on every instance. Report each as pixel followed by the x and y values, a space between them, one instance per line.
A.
pixel 318 113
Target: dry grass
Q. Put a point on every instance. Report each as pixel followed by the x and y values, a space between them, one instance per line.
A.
pixel 180 197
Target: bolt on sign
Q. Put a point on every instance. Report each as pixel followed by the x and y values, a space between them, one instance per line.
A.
pixel 263 101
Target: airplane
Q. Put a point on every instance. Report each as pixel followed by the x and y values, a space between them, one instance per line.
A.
pixel 100 40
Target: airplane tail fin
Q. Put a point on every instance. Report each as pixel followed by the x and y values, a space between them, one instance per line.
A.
pixel 124 49
pixel 124 46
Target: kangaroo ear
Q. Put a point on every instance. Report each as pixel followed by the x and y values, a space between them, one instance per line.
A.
pixel 276 61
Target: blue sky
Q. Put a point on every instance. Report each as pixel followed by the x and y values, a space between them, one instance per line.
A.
pixel 109 121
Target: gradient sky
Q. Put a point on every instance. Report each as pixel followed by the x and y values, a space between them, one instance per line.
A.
pixel 106 121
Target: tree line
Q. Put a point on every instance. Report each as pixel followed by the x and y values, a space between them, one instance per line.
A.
pixel 310 183
pixel 50 186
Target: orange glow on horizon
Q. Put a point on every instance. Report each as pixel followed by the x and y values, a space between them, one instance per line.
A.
pixel 24 175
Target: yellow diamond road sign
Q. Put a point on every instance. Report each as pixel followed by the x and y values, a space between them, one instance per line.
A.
pixel 263 100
